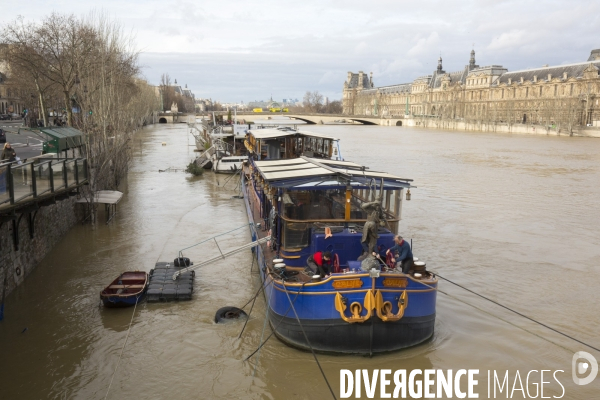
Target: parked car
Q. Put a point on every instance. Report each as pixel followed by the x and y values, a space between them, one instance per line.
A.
pixel 4 117
pixel 15 116
pixel 2 136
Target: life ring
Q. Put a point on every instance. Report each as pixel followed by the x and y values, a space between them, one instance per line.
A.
pixel 18 271
pixel 227 313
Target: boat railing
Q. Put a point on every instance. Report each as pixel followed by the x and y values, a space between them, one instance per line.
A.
pixel 222 146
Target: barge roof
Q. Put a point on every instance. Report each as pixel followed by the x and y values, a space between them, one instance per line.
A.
pixel 304 173
pixel 278 133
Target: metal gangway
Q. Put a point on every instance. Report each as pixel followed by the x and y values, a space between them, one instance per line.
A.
pixel 223 255
pixel 206 157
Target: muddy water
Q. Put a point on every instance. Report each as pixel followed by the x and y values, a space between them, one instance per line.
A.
pixel 514 218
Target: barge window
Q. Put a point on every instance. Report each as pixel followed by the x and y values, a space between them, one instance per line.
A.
pixel 315 204
pixel 295 234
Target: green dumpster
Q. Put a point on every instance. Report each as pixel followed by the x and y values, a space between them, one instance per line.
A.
pixel 59 139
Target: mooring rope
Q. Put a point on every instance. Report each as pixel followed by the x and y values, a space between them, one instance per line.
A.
pixel 274 330
pixel 122 348
pixel 520 314
pixel 307 341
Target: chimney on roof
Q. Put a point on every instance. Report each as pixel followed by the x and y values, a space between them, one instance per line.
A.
pixel 371 79
pixel 521 79
pixel 509 81
pixel 564 75
pixel 176 81
pixel 361 76
pixel 439 67
pixel 535 78
pixel 471 60
pixel 349 76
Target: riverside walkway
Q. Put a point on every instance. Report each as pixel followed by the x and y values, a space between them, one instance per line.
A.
pixel 39 182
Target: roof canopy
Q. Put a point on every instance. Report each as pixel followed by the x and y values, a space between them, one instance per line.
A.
pixel 286 132
pixel 308 173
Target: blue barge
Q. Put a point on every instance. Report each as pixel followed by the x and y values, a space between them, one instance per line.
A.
pixel 309 204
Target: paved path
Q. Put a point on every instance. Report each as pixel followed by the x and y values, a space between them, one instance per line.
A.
pixel 27 144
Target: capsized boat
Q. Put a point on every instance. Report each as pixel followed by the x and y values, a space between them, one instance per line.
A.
pixel 317 203
pixel 126 290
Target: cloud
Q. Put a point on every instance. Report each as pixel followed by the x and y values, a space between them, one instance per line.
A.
pixel 248 50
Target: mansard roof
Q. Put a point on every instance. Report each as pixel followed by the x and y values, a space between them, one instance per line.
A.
pixel 457 76
pixel 401 88
pixel 557 71
pixel 353 81
pixel 594 55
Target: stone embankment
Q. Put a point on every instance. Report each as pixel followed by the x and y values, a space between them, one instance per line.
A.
pixel 500 127
pixel 50 225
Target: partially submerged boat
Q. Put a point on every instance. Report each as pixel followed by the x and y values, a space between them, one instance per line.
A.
pixel 220 151
pixel 126 290
pixel 298 190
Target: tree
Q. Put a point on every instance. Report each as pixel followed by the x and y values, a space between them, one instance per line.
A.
pixel 23 54
pixel 90 67
pixel 313 101
pixel 334 107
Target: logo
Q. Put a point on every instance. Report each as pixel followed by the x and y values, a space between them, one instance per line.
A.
pixel 583 363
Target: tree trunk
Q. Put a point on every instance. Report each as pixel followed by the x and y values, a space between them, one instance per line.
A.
pixel 68 109
pixel 42 105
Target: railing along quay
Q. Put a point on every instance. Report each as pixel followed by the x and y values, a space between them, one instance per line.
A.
pixel 24 188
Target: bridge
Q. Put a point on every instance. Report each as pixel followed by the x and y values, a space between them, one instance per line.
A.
pixel 315 118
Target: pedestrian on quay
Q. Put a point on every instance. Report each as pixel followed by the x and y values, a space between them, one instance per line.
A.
pixel 8 153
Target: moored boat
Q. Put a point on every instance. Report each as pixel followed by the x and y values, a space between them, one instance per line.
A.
pixel 126 290
pixel 317 203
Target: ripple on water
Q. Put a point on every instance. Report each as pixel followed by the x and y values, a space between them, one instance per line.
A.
pixel 511 217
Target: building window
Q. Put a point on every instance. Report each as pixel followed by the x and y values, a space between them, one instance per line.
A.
pixel 555 89
pixel 571 90
pixel 502 93
pixel 540 91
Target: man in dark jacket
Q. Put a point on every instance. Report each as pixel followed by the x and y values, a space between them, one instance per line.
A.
pixel 320 262
pixel 401 254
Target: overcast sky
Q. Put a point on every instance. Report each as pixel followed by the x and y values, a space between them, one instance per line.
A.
pixel 249 50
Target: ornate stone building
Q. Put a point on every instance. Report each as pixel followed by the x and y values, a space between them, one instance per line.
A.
pixel 10 99
pixel 564 95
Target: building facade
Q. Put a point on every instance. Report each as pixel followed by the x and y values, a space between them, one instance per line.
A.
pixel 10 99
pixel 551 95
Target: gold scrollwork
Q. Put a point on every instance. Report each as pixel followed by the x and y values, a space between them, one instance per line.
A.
pixel 384 308
pixel 355 308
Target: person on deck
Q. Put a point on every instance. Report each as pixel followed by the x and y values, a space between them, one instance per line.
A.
pixel 320 262
pixel 401 254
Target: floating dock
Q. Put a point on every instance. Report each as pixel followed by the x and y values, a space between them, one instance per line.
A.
pixel 162 287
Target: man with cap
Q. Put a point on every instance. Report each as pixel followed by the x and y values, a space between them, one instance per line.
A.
pixel 401 254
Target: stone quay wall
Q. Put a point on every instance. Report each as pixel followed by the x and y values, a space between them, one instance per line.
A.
pixel 50 225
pixel 531 129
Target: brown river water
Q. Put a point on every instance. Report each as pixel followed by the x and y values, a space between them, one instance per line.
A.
pixel 512 217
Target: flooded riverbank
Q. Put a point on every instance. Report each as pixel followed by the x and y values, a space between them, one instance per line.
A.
pixel 511 217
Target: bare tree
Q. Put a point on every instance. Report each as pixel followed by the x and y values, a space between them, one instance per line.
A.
pixel 23 54
pixel 313 101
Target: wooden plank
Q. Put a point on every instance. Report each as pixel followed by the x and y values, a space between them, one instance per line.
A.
pixel 126 286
